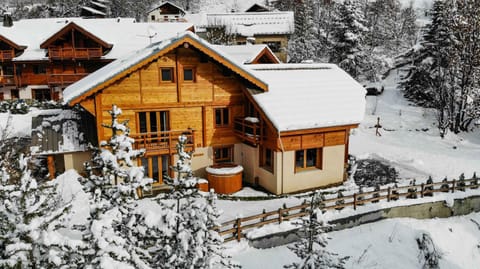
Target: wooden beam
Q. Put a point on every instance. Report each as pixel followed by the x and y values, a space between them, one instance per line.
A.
pixel 319 130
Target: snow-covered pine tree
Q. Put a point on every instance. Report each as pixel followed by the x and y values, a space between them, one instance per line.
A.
pixel 348 40
pixel 311 248
pixel 31 215
pixel 185 236
pixel 304 43
pixel 112 183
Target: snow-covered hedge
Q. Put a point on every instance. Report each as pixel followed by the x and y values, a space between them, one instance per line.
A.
pixel 21 106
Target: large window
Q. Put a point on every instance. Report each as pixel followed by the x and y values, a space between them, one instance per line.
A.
pixel 266 158
pixel 222 117
pixel 156 167
pixel 166 74
pixel 14 94
pixel 153 121
pixel 223 154
pixel 308 158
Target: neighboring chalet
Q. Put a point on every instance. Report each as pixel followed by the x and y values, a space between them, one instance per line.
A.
pixel 287 125
pixel 269 28
pixel 40 57
pixel 166 12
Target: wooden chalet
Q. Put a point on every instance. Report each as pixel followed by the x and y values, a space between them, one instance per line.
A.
pixel 40 57
pixel 166 12
pixel 287 125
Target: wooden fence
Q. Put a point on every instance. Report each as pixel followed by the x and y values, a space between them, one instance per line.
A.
pixel 234 229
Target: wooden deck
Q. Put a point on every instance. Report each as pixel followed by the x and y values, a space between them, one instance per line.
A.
pixel 64 79
pixel 74 53
pixel 163 142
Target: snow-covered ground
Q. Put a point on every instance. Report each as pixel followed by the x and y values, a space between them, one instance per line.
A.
pixel 385 244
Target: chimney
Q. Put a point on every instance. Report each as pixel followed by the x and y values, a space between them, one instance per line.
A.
pixel 7 19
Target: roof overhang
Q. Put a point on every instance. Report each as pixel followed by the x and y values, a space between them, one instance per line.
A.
pixel 11 43
pixel 73 26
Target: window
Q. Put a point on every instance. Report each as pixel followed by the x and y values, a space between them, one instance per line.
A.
pixel 223 154
pixel 42 94
pixel 156 167
pixel 266 158
pixel 308 158
pixel 166 74
pixel 273 45
pixel 153 121
pixel 153 17
pixel 39 69
pixel 189 74
pixel 14 94
pixel 222 117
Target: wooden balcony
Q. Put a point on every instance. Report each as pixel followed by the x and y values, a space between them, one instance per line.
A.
pixel 65 79
pixel 7 80
pixel 248 129
pixel 6 55
pixel 74 53
pixel 163 142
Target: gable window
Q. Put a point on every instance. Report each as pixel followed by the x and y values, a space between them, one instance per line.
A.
pixel 152 17
pixel 189 74
pixel 308 158
pixel 266 159
pixel 223 154
pixel 166 74
pixel 222 117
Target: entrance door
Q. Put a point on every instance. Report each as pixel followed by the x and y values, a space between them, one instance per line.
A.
pixel 156 167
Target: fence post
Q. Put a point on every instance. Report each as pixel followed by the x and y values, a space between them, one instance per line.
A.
pixel 280 215
pixel 239 229
pixel 422 190
pixel 389 191
pixel 453 186
pixel 354 201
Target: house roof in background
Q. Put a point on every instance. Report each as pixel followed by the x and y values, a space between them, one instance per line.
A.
pixel 125 34
pixel 247 54
pixel 309 96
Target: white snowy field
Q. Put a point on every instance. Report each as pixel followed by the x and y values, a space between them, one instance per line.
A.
pixel 385 244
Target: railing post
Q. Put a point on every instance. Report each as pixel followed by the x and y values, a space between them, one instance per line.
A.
pixel 422 190
pixel 280 215
pixel 453 186
pixel 389 192
pixel 239 229
pixel 354 201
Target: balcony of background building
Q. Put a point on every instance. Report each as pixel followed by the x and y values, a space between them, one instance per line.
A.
pixel 74 53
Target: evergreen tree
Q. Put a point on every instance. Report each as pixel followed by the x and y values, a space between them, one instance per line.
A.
pixel 31 215
pixel 112 183
pixel 311 248
pixel 304 42
pixel 184 234
pixel 349 32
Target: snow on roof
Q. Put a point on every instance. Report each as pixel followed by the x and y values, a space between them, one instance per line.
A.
pixel 116 67
pixel 93 11
pixel 306 96
pixel 165 3
pixel 244 54
pixel 125 34
pixel 253 23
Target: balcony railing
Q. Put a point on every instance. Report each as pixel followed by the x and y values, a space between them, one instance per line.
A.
pixel 74 53
pixel 248 129
pixel 7 80
pixel 64 79
pixel 163 142
pixel 6 55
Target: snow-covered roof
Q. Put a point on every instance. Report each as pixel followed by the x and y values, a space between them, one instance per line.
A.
pixel 111 70
pixel 94 11
pixel 182 11
pixel 125 34
pixel 307 96
pixel 253 23
pixel 245 54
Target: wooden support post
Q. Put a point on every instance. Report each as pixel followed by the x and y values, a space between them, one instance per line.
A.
pixel 354 201
pixel 389 192
pixel 453 186
pixel 422 191
pixel 239 229
pixel 280 215
pixel 51 167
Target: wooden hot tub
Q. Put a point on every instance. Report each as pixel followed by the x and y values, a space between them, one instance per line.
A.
pixel 225 178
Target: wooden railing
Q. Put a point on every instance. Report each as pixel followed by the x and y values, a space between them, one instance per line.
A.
pixel 163 142
pixel 248 131
pixel 234 229
pixel 65 79
pixel 74 53
pixel 6 55
pixel 7 80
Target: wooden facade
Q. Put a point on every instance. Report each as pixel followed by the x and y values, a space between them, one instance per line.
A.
pixel 185 89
